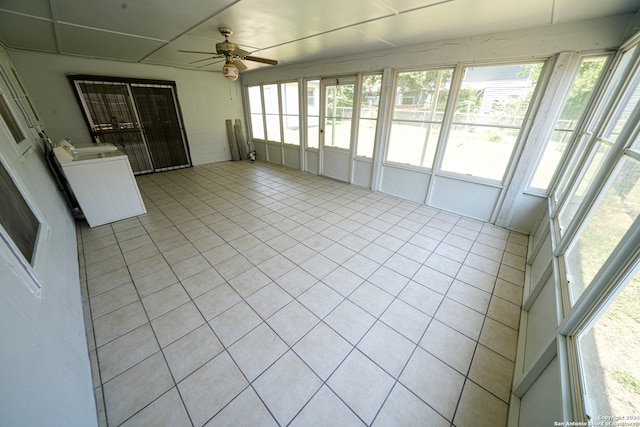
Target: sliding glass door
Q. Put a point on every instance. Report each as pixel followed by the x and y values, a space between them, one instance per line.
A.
pixel 141 119
pixel 161 126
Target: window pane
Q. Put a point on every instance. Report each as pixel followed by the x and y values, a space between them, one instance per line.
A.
pixel 413 143
pixel 623 110
pixel 616 80
pixel 481 151
pixel 290 98
pixel 599 154
pixel 290 114
pixel 273 127
pixel 313 132
pixel 366 137
pixel 610 356
pixel 611 218
pixel 255 108
pixel 338 113
pixel 255 99
pixel 291 125
pixel 571 168
pixel 497 98
pixel 337 133
pixel 313 114
pixel 369 102
pixel 271 105
pixel 16 216
pixel 550 159
pixel 272 112
pixel 257 126
pixel 370 97
pixel 581 89
pixel 420 101
pixel 10 121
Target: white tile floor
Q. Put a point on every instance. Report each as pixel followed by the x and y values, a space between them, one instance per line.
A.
pixel 255 295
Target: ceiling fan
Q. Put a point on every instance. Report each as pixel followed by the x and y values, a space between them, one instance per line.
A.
pixel 233 56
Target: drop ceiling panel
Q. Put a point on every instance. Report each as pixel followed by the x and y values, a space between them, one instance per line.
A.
pixel 327 46
pixel 27 33
pixel 169 54
pixel 263 23
pixel 576 10
pixel 160 19
pixel 38 8
pixel 100 44
pixel 405 5
pixel 472 17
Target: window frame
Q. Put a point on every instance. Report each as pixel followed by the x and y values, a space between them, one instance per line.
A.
pixel 523 129
pixel 19 121
pixel 31 271
pixel 575 139
pixel 601 108
pixel 443 124
pixel 264 115
pixel 614 274
pixel 360 88
pixel 284 114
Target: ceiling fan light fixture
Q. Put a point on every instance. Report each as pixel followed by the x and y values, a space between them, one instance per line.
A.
pixel 230 71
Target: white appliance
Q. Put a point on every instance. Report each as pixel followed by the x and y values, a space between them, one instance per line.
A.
pixel 102 181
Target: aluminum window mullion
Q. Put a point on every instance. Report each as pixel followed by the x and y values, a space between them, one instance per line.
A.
pixel 621 261
pixel 598 123
pixel 627 133
pixel 264 117
pixel 576 173
pixel 447 120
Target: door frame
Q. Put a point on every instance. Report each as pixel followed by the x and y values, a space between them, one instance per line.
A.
pixel 349 152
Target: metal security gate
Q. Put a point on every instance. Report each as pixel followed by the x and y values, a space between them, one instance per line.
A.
pixel 140 118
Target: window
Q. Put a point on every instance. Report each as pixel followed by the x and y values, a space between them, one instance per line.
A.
pixel 588 73
pixel 612 216
pixel 489 114
pixel 420 101
pixel 588 146
pixel 369 102
pixel 599 152
pixel 338 115
pixel 609 351
pixel 10 121
pixel 272 112
pixel 313 114
pixel 255 111
pixel 16 217
pixel 290 113
pixel 22 232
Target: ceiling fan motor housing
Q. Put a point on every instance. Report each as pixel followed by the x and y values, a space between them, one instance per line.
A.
pixel 225 47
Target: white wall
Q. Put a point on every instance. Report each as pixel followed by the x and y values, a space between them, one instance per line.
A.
pixel 206 99
pixel 45 375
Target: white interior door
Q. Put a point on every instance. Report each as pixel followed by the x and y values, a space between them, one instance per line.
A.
pixel 336 136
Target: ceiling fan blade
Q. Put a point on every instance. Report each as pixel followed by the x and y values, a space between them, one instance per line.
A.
pixel 241 52
pixel 262 60
pixel 197 51
pixel 239 64
pixel 200 60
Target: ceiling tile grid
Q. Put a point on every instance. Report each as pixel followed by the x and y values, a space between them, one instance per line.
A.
pixel 291 31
